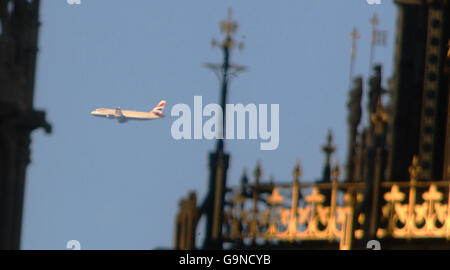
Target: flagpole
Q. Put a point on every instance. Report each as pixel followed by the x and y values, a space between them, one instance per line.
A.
pixel 354 35
pixel 374 21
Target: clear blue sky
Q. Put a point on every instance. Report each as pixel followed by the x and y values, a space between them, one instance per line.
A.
pixel 117 186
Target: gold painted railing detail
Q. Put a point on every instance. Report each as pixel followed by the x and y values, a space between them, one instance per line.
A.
pixel 428 219
pixel 313 220
pixel 334 212
pixel 409 209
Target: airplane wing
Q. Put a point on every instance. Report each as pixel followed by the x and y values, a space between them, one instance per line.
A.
pixel 119 112
pixel 120 117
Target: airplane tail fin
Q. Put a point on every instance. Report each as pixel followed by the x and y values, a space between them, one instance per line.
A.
pixel 158 110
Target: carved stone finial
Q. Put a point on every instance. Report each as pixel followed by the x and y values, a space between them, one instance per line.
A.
pixel 414 170
pixel 379 118
pixel 244 178
pixel 336 171
pixel 376 90
pixel 380 114
pixel 258 172
pixel 329 148
pixel 354 103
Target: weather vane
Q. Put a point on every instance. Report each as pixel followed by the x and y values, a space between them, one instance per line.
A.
pixel 228 27
pixel 354 35
pixel 226 70
pixel 378 38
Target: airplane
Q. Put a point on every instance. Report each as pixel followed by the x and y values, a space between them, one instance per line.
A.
pixel 125 115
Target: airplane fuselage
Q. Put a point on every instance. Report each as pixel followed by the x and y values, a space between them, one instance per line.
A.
pixel 125 115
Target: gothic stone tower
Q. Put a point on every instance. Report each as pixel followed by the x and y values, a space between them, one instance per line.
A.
pixel 18 49
pixel 420 112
